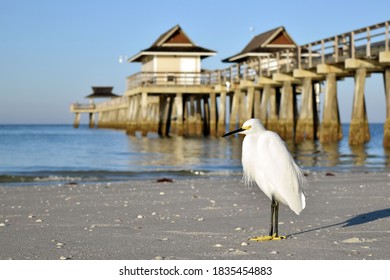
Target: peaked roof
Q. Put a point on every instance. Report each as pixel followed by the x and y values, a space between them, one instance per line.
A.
pixel 265 43
pixel 176 41
pixel 173 35
pixel 102 92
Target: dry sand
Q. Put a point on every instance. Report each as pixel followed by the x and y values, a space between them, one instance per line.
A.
pixel 347 217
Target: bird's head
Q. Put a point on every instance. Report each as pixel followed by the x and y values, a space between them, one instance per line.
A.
pixel 250 126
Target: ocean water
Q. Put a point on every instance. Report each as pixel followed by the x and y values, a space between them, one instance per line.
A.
pixel 32 154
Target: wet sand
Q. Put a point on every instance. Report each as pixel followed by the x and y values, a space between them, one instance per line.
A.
pixel 347 217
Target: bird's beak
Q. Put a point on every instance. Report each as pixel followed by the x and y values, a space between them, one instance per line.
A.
pixel 234 131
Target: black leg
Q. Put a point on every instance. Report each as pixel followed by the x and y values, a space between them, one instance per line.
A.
pixel 273 233
pixel 273 205
pixel 276 218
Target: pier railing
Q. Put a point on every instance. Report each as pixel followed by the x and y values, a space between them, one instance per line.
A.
pixel 81 107
pixel 167 79
pixel 361 43
pixel 364 43
pixel 116 102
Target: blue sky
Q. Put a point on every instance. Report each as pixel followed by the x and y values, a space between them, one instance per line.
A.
pixel 52 52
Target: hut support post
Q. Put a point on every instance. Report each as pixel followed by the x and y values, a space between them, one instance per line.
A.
pixel 386 132
pixel 191 117
pixel 143 116
pixel 198 116
pixel 213 114
pixel 221 114
pixel 206 115
pixel 179 113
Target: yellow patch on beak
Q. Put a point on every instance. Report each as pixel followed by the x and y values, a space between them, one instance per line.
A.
pixel 247 127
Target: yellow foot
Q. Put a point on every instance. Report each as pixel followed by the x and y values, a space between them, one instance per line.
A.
pixel 267 238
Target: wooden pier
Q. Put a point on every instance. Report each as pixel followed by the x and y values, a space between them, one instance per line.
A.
pixel 280 87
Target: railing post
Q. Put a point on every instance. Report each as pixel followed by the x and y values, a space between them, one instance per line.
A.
pixel 310 58
pixel 260 74
pixel 352 43
pixel 336 49
pixel 268 70
pixel 387 36
pixel 322 52
pixel 245 66
pixel 288 61
pixel 299 58
pixel 368 46
pixel 231 74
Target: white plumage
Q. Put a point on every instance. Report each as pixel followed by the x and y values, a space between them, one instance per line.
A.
pixel 267 162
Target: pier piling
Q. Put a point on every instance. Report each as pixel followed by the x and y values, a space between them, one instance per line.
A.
pixel 233 124
pixel 286 113
pixel 306 123
pixel 358 130
pixel 330 127
pixel 386 129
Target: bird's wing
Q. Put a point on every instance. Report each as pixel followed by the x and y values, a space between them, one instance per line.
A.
pixel 279 171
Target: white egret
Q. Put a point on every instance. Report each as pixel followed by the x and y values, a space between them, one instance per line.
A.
pixel 267 162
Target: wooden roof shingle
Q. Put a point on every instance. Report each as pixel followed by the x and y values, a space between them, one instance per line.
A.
pixel 102 92
pixel 175 40
pixel 263 44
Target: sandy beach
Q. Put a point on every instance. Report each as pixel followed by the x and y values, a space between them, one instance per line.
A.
pixel 347 217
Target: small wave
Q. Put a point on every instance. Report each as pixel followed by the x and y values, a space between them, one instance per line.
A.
pixel 104 176
pixel 15 178
pixel 63 179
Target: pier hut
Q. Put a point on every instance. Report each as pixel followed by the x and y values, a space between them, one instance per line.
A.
pixel 98 92
pixel 171 92
pixel 101 92
pixel 269 94
pixel 263 46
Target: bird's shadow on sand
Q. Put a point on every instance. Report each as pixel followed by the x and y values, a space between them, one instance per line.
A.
pixel 367 217
pixel 357 220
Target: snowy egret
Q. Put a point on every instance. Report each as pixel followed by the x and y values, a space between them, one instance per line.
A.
pixel 267 162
